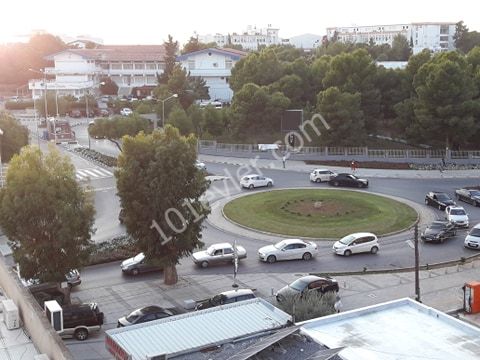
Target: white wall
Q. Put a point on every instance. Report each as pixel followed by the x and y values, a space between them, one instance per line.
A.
pixel 72 63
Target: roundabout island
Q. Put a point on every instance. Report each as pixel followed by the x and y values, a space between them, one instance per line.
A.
pixel 320 213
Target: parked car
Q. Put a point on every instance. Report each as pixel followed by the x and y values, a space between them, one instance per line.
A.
pixel 226 297
pixel 200 165
pixel 348 180
pixel 305 284
pixel 438 231
pixel 439 200
pixel 472 240
pixel 356 243
pixel 80 320
pixel 289 249
pixel 218 253
pixel 471 196
pixel 457 216
pixel 75 113
pixel 146 314
pixel 137 264
pixel 319 175
pixel 253 181
pixel 72 278
pixel 126 112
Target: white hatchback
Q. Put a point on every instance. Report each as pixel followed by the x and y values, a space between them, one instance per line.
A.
pixel 356 243
pixel 253 181
pixel 319 175
pixel 457 215
pixel 472 240
pixel 126 112
pixel 289 249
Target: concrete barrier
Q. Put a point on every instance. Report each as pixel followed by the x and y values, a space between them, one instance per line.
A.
pixel 34 321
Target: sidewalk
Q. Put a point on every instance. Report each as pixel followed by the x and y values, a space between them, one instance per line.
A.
pixel 300 166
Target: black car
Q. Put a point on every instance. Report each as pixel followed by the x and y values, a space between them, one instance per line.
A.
pixel 439 231
pixel 348 180
pixel 146 314
pixel 439 200
pixel 80 320
pixel 306 284
pixel 471 196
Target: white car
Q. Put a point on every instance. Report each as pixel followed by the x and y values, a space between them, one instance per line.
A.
pixel 290 249
pixel 319 175
pixel 200 165
pixel 126 112
pixel 457 215
pixel 253 181
pixel 472 240
pixel 356 243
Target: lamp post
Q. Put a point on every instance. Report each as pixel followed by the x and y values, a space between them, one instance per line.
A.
pixel 163 111
pixel 414 246
pixel 36 120
pixel 45 99
pixel 86 109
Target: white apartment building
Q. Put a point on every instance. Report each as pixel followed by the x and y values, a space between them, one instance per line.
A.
pixel 250 39
pixel 429 35
pixel 78 71
pixel 214 65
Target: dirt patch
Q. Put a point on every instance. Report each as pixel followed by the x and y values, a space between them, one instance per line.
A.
pixel 361 164
pixel 323 208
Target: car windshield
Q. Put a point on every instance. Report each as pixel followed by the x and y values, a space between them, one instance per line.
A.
pixel 299 284
pixel 347 240
pixel 279 245
pixel 437 226
pixel 211 250
pixel 457 212
pixel 443 197
pixel 475 193
pixel 134 316
pixel 475 232
pixel 216 300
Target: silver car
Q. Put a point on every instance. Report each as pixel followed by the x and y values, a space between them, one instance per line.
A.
pixel 218 253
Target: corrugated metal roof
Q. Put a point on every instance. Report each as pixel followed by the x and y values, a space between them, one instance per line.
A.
pixel 197 330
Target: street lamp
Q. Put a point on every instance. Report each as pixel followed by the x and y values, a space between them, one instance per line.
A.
pixel 45 91
pixel 163 111
pixel 88 93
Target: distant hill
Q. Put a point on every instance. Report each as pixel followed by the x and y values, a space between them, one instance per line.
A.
pixel 306 41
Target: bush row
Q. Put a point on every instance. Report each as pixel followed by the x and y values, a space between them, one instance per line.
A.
pixel 118 248
pixel 97 156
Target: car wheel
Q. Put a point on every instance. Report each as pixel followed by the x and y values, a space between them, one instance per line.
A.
pixel 441 240
pixel 454 232
pixel 204 264
pixel 374 250
pixel 335 183
pixel 135 272
pixel 81 334
pixel 347 253
pixel 477 203
pixel 318 180
pixel 439 207
pixel 251 186
pixel 360 185
pixel 307 256
pixel 269 184
pixel 271 259
pixel 426 202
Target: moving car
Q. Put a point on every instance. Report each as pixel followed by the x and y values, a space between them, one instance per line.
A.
pixel 226 297
pixel 439 231
pixel 253 181
pixel 356 243
pixel 146 314
pixel 137 264
pixel 218 253
pixel 457 215
pixel 471 196
pixel 472 240
pixel 80 320
pixel 319 175
pixel 126 112
pixel 200 165
pixel 289 249
pixel 305 284
pixel 348 180
pixel 438 199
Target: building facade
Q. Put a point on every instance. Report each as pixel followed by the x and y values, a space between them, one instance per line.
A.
pixel 79 71
pixel 250 39
pixel 214 65
pixel 429 35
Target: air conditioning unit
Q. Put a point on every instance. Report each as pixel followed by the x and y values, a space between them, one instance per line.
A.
pixel 10 314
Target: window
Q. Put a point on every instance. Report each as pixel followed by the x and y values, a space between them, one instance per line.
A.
pixel 444 38
pixel 151 66
pixel 228 251
pixel 228 63
pixel 161 66
pixel 215 65
pixel 116 66
pixel 139 66
pixel 127 66
pixel 191 64
pixel 151 80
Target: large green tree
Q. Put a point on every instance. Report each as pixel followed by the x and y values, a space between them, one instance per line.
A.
pixel 465 40
pixel 15 136
pixel 160 189
pixel 400 50
pixel 170 58
pixel 46 215
pixel 179 119
pixel 194 45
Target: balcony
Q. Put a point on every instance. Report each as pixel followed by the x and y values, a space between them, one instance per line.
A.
pixel 210 72
pixel 55 71
pixel 55 85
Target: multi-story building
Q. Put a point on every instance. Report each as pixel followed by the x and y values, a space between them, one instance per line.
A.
pixel 250 39
pixel 430 35
pixel 79 71
pixel 214 65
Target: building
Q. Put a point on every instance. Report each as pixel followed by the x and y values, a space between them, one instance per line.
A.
pixel 429 35
pixel 214 65
pixel 79 71
pixel 305 41
pixel 400 329
pixel 250 39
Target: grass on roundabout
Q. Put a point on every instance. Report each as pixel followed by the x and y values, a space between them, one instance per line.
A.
pixel 320 213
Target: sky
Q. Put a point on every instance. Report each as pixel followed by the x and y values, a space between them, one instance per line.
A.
pixel 150 21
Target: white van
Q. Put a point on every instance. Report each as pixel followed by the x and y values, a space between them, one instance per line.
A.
pixel 356 243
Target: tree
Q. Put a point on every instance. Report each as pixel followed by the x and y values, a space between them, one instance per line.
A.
pixel 343 113
pixel 171 49
pixel 212 121
pixel 160 189
pixel 196 117
pixel 465 40
pixel 194 45
pixel 179 119
pixel 400 50
pixel 187 88
pixel 15 136
pixel 47 216
pixel 109 87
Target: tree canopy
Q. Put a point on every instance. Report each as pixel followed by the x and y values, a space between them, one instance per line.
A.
pixel 15 136
pixel 47 216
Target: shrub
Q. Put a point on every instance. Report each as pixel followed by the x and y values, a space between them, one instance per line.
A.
pixel 308 306
pixel 19 105
pixel 118 248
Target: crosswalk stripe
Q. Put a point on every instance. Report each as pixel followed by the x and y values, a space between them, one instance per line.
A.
pixel 84 174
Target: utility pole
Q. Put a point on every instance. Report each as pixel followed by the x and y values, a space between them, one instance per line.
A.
pixel 417 265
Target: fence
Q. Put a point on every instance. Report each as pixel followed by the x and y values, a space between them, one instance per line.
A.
pixel 210 147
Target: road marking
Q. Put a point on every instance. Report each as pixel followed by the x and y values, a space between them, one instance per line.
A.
pixel 91 173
